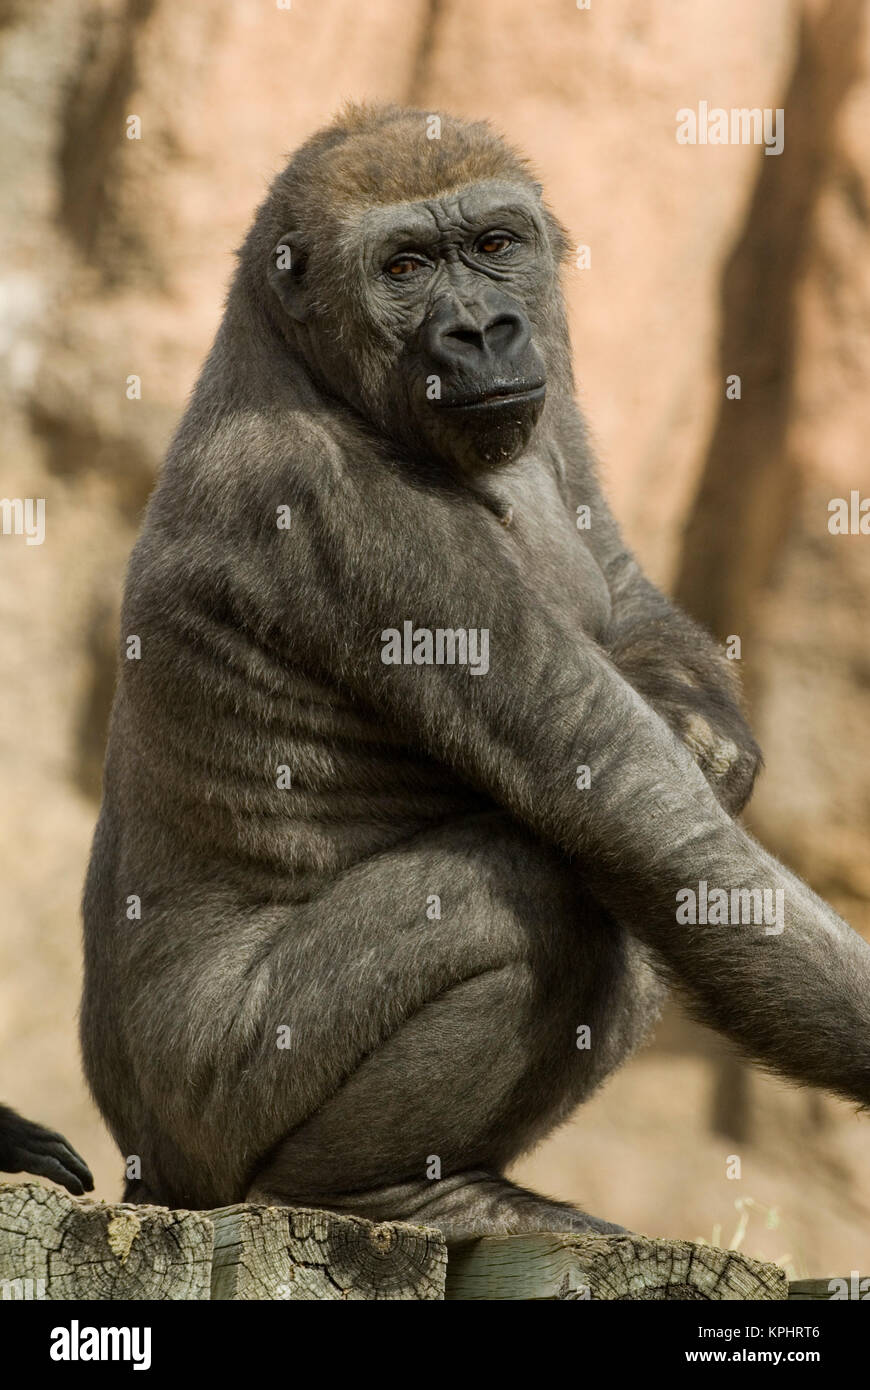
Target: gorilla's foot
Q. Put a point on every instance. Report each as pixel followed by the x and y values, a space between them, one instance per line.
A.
pixel 463 1206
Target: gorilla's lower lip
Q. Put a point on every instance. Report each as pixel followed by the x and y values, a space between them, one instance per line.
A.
pixel 499 395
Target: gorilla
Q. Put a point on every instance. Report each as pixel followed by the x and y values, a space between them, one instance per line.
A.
pixel 26 1147
pixel 366 918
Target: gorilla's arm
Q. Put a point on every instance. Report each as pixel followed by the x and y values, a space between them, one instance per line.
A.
pixel 26 1147
pixel 671 660
pixel 673 663
pixel 649 825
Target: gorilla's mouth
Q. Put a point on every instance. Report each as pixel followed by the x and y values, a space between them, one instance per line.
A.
pixel 495 396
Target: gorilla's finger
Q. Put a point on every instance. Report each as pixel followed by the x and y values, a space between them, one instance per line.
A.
pixel 43 1165
pixel 66 1155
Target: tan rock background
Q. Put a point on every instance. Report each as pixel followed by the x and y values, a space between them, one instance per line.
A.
pixel 706 260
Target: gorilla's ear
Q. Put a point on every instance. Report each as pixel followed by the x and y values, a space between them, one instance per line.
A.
pixel 287 276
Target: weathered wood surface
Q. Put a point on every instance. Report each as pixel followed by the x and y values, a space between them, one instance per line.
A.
pixel 551 1267
pixel 75 1248
pixel 53 1246
pixel 296 1254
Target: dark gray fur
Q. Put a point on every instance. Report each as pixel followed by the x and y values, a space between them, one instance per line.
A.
pixel 262 647
pixel 27 1147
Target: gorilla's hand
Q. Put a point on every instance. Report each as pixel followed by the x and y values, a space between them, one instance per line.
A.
pixel 729 766
pixel 694 691
pixel 26 1147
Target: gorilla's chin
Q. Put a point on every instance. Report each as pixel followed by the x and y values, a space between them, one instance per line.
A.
pixel 482 433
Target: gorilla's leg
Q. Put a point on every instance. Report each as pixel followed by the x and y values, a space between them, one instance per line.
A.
pixel 467 1083
pixel 463 1206
pixel 333 1047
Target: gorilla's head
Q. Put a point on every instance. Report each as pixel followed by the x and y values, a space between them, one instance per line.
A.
pixel 410 261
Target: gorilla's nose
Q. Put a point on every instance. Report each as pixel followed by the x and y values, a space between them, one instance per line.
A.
pixel 467 336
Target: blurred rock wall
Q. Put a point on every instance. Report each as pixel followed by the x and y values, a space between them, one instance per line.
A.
pixel 705 261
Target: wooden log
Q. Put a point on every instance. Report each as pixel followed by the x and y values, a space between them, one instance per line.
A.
pixel 53 1246
pixel 551 1267
pixel 847 1286
pixel 297 1254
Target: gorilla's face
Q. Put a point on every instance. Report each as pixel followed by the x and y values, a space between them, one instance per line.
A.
pixel 448 282
pixel 433 334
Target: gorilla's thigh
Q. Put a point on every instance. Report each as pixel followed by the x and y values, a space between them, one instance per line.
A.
pixel 491 1063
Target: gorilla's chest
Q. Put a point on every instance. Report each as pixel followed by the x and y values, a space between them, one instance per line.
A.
pixel 552 550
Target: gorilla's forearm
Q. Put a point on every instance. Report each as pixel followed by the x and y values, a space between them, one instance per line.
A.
pixel 674 664
pixel 666 656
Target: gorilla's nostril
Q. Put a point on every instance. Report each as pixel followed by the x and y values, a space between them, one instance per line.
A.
pixel 501 332
pixel 467 337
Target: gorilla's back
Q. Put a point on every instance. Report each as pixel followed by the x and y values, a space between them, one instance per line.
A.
pixel 240 762
pixel 234 780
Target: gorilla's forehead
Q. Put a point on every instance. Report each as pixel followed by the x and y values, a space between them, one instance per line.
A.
pixel 465 208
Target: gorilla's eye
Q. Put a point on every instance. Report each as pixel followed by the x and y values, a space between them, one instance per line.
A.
pixel 400 267
pixel 493 243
